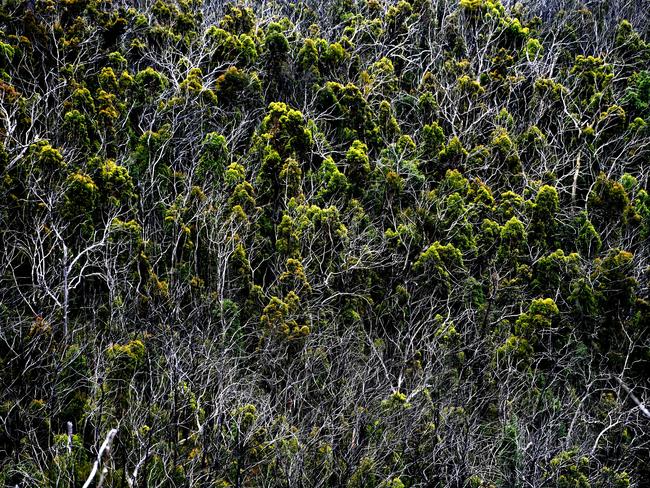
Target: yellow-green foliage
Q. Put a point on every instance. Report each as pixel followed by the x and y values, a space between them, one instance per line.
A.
pixel 81 195
pixel 277 317
pixel 539 317
pixel 506 150
pixel 149 83
pixel 362 243
pixel 608 201
pixel 592 76
pixel 125 359
pixel 334 182
pixel 48 157
pixel 533 49
pixel 440 258
pixel 453 154
pixel 550 88
pixel 513 232
pixel 286 129
pixel 569 470
pixel 469 86
pixel 490 8
pixel 396 401
pixel 516 350
pixel 114 182
pixel 357 161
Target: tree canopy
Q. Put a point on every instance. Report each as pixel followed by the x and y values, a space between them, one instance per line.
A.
pixel 354 243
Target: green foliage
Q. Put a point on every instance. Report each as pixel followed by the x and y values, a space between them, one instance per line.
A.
pixel 334 54
pixel 469 87
pixel 453 154
pixel 396 401
pixel 439 256
pixel 77 126
pixel 455 217
pixel 352 117
pixel 432 140
pixel 615 479
pixel 438 265
pixel 81 196
pixel 294 277
pixel 592 76
pixel 513 240
pixel 545 209
pixel 333 181
pixel 83 100
pixel 348 243
pixel 129 230
pixel 642 208
pixel 108 80
pixel 291 176
pixel 637 97
pixel 533 49
pixel 227 47
pixel 549 88
pixel 505 151
pixel 276 318
pixel 193 86
pixel 489 8
pixel 150 147
pixel 515 32
pixel 387 122
pixel 614 281
pixel 454 182
pixel 69 466
pixel 124 360
pixel 7 52
pixel 630 44
pixel 286 130
pixel 556 272
pixel 383 76
pixel 288 237
pixel 364 475
pixel 242 201
pixel 275 42
pixel 568 470
pixel 47 157
pixel 149 84
pixel 588 241
pixel 393 483
pixel 235 173
pixel 237 87
pixel 309 56
pixel 539 317
pixel 584 300
pixel 515 350
pixel 238 19
pixel 213 159
pixel 114 182
pixel 357 163
pixel 608 202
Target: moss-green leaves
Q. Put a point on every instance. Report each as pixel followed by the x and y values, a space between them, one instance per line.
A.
pixel 286 130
